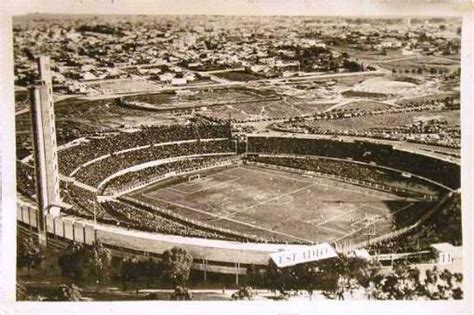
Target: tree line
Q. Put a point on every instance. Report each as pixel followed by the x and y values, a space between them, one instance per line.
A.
pixel 335 278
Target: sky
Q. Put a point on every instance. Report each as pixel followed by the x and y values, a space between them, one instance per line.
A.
pixel 241 7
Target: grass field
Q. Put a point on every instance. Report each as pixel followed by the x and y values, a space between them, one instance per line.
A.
pixel 201 97
pixel 282 206
pixel 424 61
pixel 284 108
pixel 122 86
pixel 238 76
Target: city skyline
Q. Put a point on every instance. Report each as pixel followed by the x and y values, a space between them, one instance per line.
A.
pixel 200 154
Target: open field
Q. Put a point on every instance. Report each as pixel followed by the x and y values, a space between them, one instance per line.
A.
pixel 272 108
pixel 424 62
pixel 122 86
pixel 238 76
pixel 278 109
pixel 201 98
pixel 76 118
pixel 386 86
pixel 282 206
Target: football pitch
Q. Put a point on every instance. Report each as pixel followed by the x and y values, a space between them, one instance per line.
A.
pixel 279 205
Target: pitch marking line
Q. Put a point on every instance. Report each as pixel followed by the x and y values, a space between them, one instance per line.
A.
pixel 391 215
pixel 314 183
pixel 260 203
pixel 233 220
pixel 275 173
pixel 336 217
pixel 333 230
pixel 205 187
pixel 351 190
pixel 377 208
pixel 197 182
pixel 289 195
pixel 215 185
pixel 151 187
pixel 376 221
pixel 318 181
pixel 173 189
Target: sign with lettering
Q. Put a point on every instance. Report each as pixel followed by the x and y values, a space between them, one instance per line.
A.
pixel 307 254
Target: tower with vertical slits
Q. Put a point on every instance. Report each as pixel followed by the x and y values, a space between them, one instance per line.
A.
pixel 44 145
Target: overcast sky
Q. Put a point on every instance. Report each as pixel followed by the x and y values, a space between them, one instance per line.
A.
pixel 242 7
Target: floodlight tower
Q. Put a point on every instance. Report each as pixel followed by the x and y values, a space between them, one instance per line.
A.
pixel 44 146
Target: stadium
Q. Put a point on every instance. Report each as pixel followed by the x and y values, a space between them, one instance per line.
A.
pixel 232 200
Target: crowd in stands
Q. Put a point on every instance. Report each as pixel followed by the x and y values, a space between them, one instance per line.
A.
pixel 25 181
pixel 96 172
pixel 134 178
pixel 84 203
pixel 385 155
pixel 135 218
pixel 432 132
pixel 73 157
pixel 450 139
pixel 348 169
pixel 443 226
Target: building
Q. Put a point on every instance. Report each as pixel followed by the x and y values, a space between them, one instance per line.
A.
pixel 446 253
pixel 44 146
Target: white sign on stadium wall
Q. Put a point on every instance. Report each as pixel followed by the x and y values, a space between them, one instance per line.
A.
pixel 306 254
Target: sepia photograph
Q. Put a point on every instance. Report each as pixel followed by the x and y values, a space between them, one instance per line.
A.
pixel 238 157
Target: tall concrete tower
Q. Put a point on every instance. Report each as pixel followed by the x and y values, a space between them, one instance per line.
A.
pixel 44 146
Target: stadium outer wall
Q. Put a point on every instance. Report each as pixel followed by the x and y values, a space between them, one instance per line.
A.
pixel 219 256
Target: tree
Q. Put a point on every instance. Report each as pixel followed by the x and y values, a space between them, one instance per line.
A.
pixel 457 292
pixel 243 293
pixel 280 279
pixel 352 66
pixel 181 294
pixel 342 274
pixel 74 262
pixel 255 277
pixel 129 271
pixel 308 277
pixel 403 283
pixel 442 285
pixel 370 279
pixel 70 293
pixel 176 266
pixel 29 255
pixel 150 270
pixel 99 262
pixel 23 294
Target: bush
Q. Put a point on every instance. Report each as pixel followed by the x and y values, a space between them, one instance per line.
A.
pixel 29 255
pixel 243 293
pixel 181 294
pixel 71 293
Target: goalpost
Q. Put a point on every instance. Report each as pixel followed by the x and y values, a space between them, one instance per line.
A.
pixel 194 177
